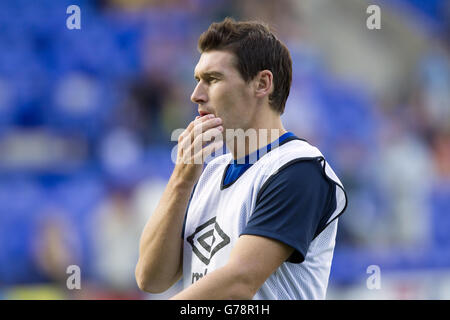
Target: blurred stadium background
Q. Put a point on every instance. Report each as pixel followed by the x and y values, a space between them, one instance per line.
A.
pixel 86 118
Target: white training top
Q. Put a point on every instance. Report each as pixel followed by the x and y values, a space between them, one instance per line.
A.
pixel 217 216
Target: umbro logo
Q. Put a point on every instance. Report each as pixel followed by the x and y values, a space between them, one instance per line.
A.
pixel 207 240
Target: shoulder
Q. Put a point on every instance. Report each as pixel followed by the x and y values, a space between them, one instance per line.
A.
pixel 293 206
pixel 297 176
pixel 286 154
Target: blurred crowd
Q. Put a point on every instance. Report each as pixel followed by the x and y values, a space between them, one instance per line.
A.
pixel 87 116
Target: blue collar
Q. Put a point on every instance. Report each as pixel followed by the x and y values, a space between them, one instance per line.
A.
pixel 237 167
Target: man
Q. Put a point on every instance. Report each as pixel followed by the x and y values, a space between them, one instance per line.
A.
pixel 241 229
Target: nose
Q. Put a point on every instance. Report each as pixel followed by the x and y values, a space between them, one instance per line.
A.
pixel 199 94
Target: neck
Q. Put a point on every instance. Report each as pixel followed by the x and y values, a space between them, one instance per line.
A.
pixel 244 142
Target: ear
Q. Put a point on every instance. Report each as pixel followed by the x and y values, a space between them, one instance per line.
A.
pixel 263 83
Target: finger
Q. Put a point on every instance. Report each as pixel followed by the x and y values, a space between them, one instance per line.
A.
pixel 187 133
pixel 205 125
pixel 208 136
pixel 195 128
pixel 201 156
pixel 214 134
pixel 199 119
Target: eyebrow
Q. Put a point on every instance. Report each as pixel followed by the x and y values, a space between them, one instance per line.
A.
pixel 209 74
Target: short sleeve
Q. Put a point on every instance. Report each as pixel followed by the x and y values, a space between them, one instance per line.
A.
pixel 293 206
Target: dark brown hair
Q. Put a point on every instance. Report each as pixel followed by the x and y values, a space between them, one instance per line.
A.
pixel 256 49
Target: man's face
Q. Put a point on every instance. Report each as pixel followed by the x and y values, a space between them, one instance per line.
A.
pixel 221 90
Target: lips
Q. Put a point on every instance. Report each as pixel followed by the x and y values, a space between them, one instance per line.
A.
pixel 203 113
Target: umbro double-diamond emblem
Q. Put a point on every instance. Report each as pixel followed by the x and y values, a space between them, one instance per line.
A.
pixel 207 240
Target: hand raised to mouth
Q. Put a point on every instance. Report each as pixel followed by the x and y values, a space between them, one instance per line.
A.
pixel 201 138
